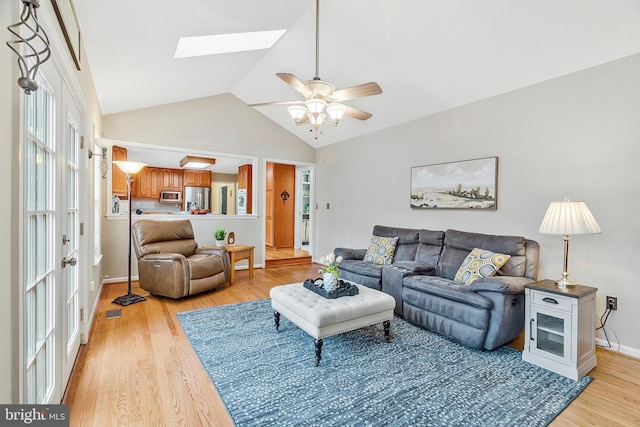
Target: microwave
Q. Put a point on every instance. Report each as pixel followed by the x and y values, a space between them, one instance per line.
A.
pixel 170 196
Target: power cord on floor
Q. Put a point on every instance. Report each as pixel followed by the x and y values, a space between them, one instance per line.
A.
pixel 603 323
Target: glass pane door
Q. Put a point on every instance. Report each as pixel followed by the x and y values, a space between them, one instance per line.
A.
pixel 70 237
pixel 40 281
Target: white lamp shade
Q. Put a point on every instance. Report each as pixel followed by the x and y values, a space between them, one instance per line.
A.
pixel 317 119
pixel 297 112
pixel 315 105
pixel 569 218
pixel 129 167
pixel 335 112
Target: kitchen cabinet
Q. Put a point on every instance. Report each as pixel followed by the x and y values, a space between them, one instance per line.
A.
pixel 171 179
pixel 280 205
pixel 245 182
pixel 147 183
pixel 118 178
pixel 560 329
pixel 196 178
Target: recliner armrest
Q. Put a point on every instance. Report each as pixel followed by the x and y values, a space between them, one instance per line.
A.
pixel 221 251
pixel 502 284
pixel 162 257
pixel 347 253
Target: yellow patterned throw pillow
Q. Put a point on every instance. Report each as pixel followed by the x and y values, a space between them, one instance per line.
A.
pixel 479 264
pixel 381 250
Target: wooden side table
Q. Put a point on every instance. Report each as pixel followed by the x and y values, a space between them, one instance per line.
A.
pixel 560 329
pixel 237 253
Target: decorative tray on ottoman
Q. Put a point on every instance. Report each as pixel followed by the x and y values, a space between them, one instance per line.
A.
pixel 344 289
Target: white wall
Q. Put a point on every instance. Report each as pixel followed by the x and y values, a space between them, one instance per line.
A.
pixel 222 124
pixel 8 256
pixel 576 136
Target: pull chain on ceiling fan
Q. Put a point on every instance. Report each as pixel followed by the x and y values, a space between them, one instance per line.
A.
pixel 321 97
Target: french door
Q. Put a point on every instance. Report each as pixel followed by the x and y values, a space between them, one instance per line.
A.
pixel 50 307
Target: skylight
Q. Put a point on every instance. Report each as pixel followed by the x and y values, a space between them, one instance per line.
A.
pixel 226 43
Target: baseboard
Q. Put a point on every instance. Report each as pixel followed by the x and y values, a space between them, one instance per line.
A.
pixel 616 347
pixel 118 279
pixel 107 280
pixel 92 315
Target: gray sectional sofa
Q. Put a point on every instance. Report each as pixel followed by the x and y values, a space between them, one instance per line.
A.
pixel 485 315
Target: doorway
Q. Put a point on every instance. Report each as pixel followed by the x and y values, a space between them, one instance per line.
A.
pixel 288 216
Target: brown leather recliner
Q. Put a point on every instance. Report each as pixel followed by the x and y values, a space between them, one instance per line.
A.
pixel 171 264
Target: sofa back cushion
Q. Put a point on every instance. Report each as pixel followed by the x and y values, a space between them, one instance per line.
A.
pixel 458 244
pixel 408 240
pixel 154 237
pixel 430 247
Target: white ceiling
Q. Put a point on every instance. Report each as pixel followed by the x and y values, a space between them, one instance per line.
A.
pixel 427 55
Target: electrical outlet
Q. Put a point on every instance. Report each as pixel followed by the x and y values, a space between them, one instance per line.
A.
pixel 612 302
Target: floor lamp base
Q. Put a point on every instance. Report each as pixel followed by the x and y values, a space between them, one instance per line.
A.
pixel 129 299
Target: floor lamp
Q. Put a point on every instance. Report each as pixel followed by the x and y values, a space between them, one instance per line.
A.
pixel 567 218
pixel 129 168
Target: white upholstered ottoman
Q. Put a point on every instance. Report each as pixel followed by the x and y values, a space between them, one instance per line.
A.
pixel 321 317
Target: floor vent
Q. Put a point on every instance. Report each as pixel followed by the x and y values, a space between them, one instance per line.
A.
pixel 111 314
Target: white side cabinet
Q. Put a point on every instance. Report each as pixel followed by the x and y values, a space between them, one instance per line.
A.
pixel 560 328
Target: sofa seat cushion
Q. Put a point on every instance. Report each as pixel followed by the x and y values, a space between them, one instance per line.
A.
pixel 433 285
pixel 202 265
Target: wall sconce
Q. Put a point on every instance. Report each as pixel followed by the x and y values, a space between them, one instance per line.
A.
pixel 104 167
pixel 35 45
pixel 285 196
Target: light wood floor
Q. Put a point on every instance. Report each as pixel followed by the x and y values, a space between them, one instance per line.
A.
pixel 281 257
pixel 140 370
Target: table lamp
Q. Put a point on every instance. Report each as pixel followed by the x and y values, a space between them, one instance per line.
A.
pixel 568 218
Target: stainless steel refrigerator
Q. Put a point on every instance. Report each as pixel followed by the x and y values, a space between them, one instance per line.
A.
pixel 197 198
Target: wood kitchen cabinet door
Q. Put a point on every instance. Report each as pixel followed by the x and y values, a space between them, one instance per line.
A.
pixel 196 178
pixel 245 182
pixel 118 178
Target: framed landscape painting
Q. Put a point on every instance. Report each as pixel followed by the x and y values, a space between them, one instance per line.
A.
pixel 467 184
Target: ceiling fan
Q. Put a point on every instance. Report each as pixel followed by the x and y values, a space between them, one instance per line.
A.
pixel 321 97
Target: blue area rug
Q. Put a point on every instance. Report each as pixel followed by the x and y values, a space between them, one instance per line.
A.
pixel 268 378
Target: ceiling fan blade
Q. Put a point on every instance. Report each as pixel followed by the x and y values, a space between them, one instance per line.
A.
pixel 365 89
pixel 262 104
pixel 356 114
pixel 295 83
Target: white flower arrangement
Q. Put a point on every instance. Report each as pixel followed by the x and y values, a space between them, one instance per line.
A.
pixel 331 264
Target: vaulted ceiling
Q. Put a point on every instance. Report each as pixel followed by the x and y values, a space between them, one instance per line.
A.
pixel 427 55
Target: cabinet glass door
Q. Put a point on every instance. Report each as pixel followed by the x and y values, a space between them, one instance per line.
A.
pixel 550 333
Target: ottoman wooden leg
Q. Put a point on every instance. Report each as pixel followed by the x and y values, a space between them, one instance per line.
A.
pixel 387 325
pixel 276 319
pixel 318 351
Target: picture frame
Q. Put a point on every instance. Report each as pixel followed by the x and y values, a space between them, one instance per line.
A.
pixel 464 184
pixel 66 14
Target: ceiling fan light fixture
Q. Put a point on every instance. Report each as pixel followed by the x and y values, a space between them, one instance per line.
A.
pixel 315 106
pixel 317 119
pixel 298 113
pixel 193 162
pixel 335 112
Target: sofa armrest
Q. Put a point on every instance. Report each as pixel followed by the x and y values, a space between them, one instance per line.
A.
pixel 503 284
pixel 220 251
pixel 164 274
pixel 347 253
pixel 416 267
pixel 163 257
